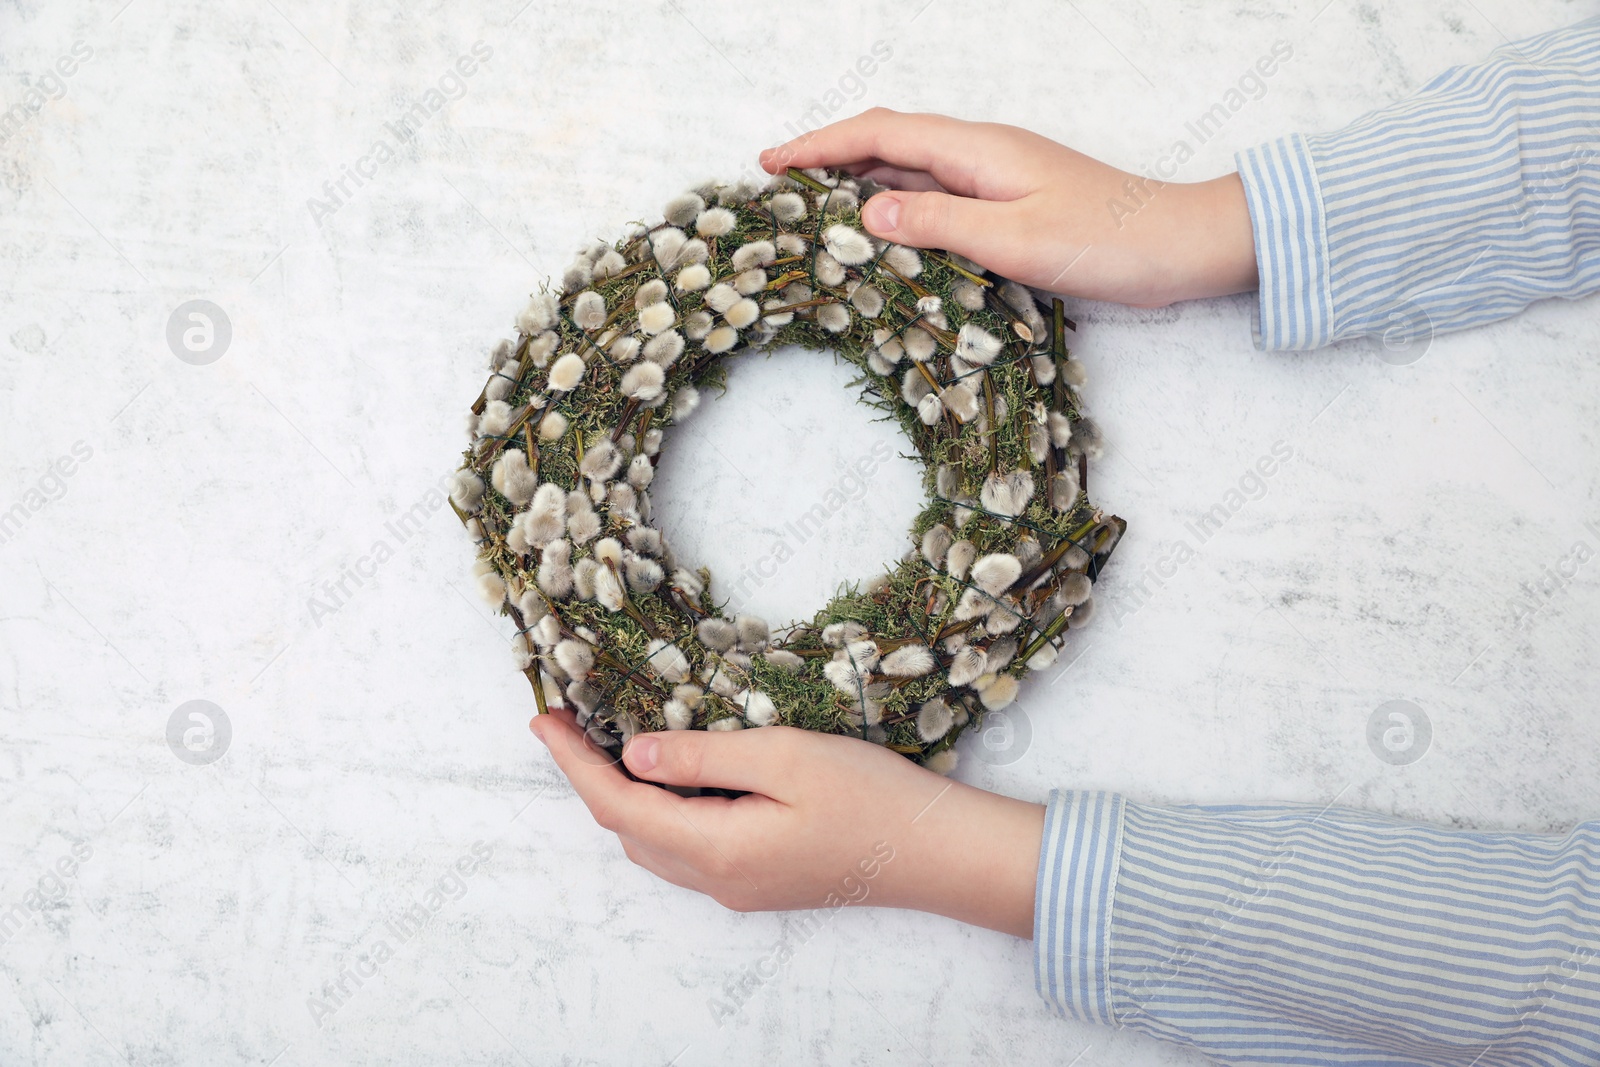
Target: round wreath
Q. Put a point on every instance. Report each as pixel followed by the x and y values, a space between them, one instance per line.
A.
pixel 554 487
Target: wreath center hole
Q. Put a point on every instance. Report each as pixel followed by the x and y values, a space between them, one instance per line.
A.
pixel 787 486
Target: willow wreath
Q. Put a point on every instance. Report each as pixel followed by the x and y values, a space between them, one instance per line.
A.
pixel 554 487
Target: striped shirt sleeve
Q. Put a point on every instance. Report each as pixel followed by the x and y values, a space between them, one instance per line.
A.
pixel 1456 207
pixel 1293 935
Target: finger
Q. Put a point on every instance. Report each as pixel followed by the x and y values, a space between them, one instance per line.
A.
pixel 971 158
pixel 974 228
pixel 756 761
pixel 896 177
pixel 617 804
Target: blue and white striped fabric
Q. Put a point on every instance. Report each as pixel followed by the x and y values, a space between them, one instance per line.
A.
pixel 1458 206
pixel 1294 935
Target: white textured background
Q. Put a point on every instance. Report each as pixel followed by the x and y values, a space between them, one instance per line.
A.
pixel 373 746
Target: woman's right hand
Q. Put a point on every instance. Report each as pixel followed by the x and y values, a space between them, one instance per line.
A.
pixel 1036 211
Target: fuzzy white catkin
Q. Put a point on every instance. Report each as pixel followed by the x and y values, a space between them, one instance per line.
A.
pixel 721 339
pixel 496 419
pixel 996 572
pixel 574 657
pixel 640 471
pixel 725 725
pixel 566 373
pixel 962 401
pixel 667 660
pixel 759 709
pixel 868 301
pixel 583 527
pixel 583 573
pixel 679 716
pixel 719 635
pixel 911 661
pixel 643 381
pixel 929 410
pixel 934 720
pixel 624 348
pixel 943 762
pixel 753 632
pixel 829 271
pixel 787 207
pixel 466 490
pixel 935 543
pixel 684 402
pixel 589 310
pixel 863 654
pixel 555 570
pixel 906 262
pixel 693 278
pixel 643 574
pixel 967 665
pixel 608 589
pixel 683 208
pixel 601 462
pixel 657 318
pixel 919 344
pixel 512 477
pixel 742 314
pixel 754 254
pixel 835 318
pixel 1086 438
pixel 750 282
pixel 839 634
pixel 784 660
pixel 489 584
pixel 960 559
pixel 849 246
pixel 843 675
pixel 999 693
pixel 664 349
pixel 541 347
pixel 721 297
pixel 697 324
pixel 693 251
pixel 968 295
pixel 666 243
pixel 1007 494
pixel 610 263
pixel 714 222
pixel 977 345
pixel 651 292
pixel 538 315
pixel 552 426
pixel 1060 429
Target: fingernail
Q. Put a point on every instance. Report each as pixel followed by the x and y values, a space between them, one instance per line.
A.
pixel 535 725
pixel 887 211
pixel 642 753
pixel 766 154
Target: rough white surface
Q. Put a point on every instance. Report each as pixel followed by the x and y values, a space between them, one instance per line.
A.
pixel 375 742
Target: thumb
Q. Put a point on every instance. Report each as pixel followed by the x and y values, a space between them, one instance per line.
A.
pixel 750 760
pixel 930 219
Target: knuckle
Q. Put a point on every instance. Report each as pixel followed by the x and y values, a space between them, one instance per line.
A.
pixel 606 815
pixel 925 216
pixel 685 759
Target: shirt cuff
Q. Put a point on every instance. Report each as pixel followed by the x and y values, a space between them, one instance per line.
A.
pixel 1295 307
pixel 1078 860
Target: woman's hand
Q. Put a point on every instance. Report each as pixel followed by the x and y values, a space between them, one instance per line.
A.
pixel 827 820
pixel 1036 211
